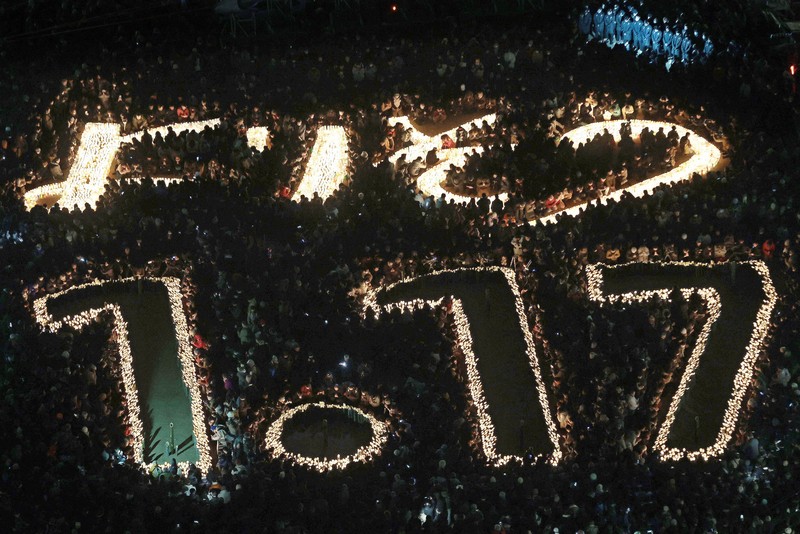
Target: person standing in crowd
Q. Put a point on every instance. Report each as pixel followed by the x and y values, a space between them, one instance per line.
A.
pixel 599 23
pixel 655 39
pixel 708 46
pixel 686 46
pixel 647 32
pixel 585 22
pixel 666 38
pixel 618 16
pixel 626 33
pixel 675 50
pixel 636 30
pixel 609 26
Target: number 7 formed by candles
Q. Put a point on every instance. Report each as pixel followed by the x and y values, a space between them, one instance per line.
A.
pixel 149 326
pixel 503 370
pixel 704 409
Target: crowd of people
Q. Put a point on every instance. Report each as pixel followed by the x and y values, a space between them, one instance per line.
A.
pixel 624 26
pixel 273 286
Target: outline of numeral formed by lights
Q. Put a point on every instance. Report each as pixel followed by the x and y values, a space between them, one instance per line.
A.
pixel 274 443
pixel 185 355
pixel 88 176
pixel 746 371
pixel 486 430
pixel 326 169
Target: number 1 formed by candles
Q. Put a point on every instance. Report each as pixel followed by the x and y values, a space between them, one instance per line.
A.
pixel 165 388
pixel 504 375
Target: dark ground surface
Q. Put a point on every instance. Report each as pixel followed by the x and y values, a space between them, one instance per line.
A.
pixel 305 434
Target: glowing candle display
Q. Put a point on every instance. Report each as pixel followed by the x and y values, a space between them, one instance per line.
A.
pixel 744 376
pixel 185 355
pixel 88 175
pixel 327 167
pixel 486 427
pixel 274 439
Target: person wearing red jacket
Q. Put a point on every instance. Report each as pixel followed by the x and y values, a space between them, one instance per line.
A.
pixel 768 249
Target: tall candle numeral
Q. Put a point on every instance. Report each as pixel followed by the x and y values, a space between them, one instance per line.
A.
pixel 504 374
pixel 156 386
pixel 703 412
